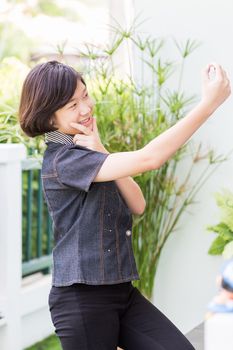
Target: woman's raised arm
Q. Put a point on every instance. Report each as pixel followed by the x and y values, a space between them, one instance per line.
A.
pixel 154 154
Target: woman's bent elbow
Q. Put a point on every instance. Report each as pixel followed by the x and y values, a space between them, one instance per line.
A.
pixel 151 162
pixel 154 164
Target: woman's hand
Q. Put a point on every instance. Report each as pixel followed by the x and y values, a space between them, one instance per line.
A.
pixel 88 138
pixel 215 87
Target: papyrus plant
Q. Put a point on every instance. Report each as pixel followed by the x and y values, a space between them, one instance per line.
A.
pixel 133 111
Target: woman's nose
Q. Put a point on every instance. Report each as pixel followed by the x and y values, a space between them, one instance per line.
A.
pixel 85 109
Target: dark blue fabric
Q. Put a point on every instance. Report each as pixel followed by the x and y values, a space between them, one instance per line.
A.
pixel 92 224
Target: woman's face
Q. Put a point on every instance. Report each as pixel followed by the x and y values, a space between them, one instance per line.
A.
pixel 79 110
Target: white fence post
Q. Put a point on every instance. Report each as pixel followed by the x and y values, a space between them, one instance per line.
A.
pixel 10 244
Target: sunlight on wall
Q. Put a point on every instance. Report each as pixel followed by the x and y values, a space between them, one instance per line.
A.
pixel 52 23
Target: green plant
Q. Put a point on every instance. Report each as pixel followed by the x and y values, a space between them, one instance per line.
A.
pixel 135 112
pixel 50 343
pixel 13 39
pixel 12 74
pixel 223 243
pixel 130 113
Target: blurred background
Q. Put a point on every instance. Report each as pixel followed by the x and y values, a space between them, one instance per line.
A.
pixel 32 29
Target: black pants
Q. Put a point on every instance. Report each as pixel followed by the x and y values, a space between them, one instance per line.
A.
pixel 88 317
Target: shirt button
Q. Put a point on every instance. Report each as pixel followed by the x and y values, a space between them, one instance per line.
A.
pixel 110 230
pixel 128 232
pixel 109 214
pixel 109 250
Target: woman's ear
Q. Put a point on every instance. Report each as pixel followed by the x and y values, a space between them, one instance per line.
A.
pixel 53 121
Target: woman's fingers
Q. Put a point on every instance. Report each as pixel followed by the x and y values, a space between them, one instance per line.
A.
pixel 214 71
pixel 84 142
pixel 95 127
pixel 80 138
pixel 226 75
pixel 81 127
pixel 206 73
pixel 219 71
pixel 216 85
pixel 81 143
pixel 88 138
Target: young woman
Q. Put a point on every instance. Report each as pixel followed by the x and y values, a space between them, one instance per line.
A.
pixel 91 197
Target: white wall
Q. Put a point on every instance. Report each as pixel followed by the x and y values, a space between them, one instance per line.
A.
pixel 185 280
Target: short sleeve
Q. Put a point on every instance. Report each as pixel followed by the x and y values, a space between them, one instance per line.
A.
pixel 77 166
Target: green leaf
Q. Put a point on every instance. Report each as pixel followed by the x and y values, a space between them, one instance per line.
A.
pixel 225 203
pixel 217 246
pixel 187 47
pixel 223 230
pixel 228 250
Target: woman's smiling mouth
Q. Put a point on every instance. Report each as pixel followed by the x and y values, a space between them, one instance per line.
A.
pixel 86 121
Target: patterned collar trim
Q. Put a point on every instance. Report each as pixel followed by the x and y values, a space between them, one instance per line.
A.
pixel 59 137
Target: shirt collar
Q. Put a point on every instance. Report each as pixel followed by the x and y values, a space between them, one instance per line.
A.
pixel 59 137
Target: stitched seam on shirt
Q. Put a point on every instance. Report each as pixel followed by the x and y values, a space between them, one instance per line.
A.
pixel 101 235
pixel 101 160
pixel 90 172
pixel 130 259
pixel 55 166
pixel 48 175
pixel 49 205
pixel 129 250
pixel 117 244
pixel 55 158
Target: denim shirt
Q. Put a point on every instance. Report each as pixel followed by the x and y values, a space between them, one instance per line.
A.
pixel 92 225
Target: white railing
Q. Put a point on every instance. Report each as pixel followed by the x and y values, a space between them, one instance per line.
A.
pixel 24 313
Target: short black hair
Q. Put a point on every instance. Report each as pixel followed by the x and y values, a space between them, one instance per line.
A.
pixel 48 87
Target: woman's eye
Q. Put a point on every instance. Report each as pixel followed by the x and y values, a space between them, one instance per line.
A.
pixel 86 95
pixel 74 105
